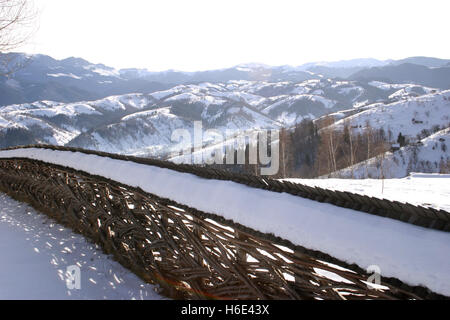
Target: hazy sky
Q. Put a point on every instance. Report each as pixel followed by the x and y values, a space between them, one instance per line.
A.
pixel 205 34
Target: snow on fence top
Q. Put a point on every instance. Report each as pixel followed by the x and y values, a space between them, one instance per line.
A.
pixel 427 217
pixel 413 254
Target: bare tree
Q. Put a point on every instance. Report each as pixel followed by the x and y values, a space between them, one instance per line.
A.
pixel 369 138
pixel 286 153
pixel 353 145
pixel 328 147
pixel 17 25
pixel 282 144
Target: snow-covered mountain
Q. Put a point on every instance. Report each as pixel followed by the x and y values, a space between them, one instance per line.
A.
pixel 438 77
pixel 135 111
pixel 411 116
pixel 133 122
pixel 431 155
pixel 352 63
pixel 424 61
pixel 343 68
pixel 36 77
pixel 143 123
pixel 31 78
pixel 423 123
pixel 420 70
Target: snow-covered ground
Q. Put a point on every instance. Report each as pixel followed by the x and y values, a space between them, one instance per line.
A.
pixel 410 253
pixel 429 190
pixel 35 253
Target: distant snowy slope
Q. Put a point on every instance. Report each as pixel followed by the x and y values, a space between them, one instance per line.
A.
pixel 41 77
pixel 74 79
pixel 436 77
pixel 409 117
pixel 293 109
pixel 148 132
pixel 58 123
pixel 431 155
pixel 145 133
pixel 142 124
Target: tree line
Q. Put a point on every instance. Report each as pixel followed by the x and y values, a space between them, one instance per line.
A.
pixel 314 148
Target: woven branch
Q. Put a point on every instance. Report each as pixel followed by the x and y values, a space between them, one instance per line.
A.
pixel 189 253
pixel 421 216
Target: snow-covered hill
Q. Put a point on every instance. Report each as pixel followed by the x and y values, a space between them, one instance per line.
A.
pixel 41 77
pixel 58 123
pixel 410 117
pixel 142 124
pixel 430 155
pixel 437 77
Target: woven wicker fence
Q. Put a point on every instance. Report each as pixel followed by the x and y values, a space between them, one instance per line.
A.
pixel 189 253
pixel 421 216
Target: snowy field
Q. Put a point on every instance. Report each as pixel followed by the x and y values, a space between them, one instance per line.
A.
pixel 410 253
pixel 35 253
pixel 425 189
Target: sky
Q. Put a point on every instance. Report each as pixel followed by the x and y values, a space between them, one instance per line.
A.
pixel 193 35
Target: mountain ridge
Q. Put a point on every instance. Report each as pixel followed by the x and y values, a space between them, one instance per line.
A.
pixel 38 77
